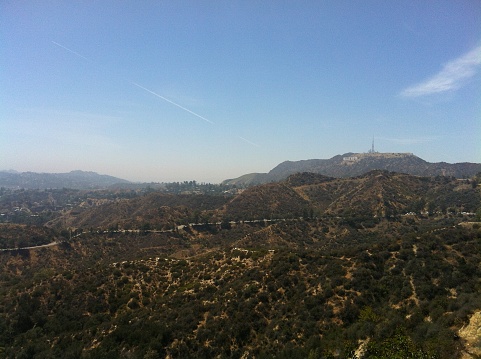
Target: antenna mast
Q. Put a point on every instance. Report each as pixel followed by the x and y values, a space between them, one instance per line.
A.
pixel 372 147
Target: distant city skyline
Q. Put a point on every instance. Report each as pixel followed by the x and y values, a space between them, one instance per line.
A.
pixel 173 91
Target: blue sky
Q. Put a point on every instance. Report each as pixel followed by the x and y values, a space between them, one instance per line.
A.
pixel 210 90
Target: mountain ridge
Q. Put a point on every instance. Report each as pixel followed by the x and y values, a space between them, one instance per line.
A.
pixel 354 164
pixel 377 194
pixel 76 179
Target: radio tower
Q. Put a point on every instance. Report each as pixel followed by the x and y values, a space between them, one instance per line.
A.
pixel 372 146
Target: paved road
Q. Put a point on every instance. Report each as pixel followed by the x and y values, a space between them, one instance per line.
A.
pixel 33 247
pixel 180 227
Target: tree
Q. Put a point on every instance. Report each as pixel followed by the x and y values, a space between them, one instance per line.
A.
pixel 399 346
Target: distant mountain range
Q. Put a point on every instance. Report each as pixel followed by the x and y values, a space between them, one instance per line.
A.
pixel 356 164
pixel 340 166
pixel 73 179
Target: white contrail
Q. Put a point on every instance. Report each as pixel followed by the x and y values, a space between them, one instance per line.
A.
pixel 159 96
pixel 143 88
pixel 249 142
pixel 73 52
pixel 173 103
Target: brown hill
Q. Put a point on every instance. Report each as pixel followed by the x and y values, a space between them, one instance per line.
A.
pixel 375 194
pixel 126 295
pixel 356 164
pixel 274 200
pixel 338 267
pixel 154 211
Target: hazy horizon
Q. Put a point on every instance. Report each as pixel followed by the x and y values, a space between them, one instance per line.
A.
pixel 173 91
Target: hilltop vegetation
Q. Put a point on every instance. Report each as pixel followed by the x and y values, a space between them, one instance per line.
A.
pixel 375 194
pixel 279 271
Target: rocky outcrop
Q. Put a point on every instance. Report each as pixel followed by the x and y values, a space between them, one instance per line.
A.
pixel 471 334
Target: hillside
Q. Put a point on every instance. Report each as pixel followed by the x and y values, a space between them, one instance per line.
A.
pixel 153 210
pixel 73 179
pixel 376 194
pixel 385 265
pixel 295 290
pixel 356 164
